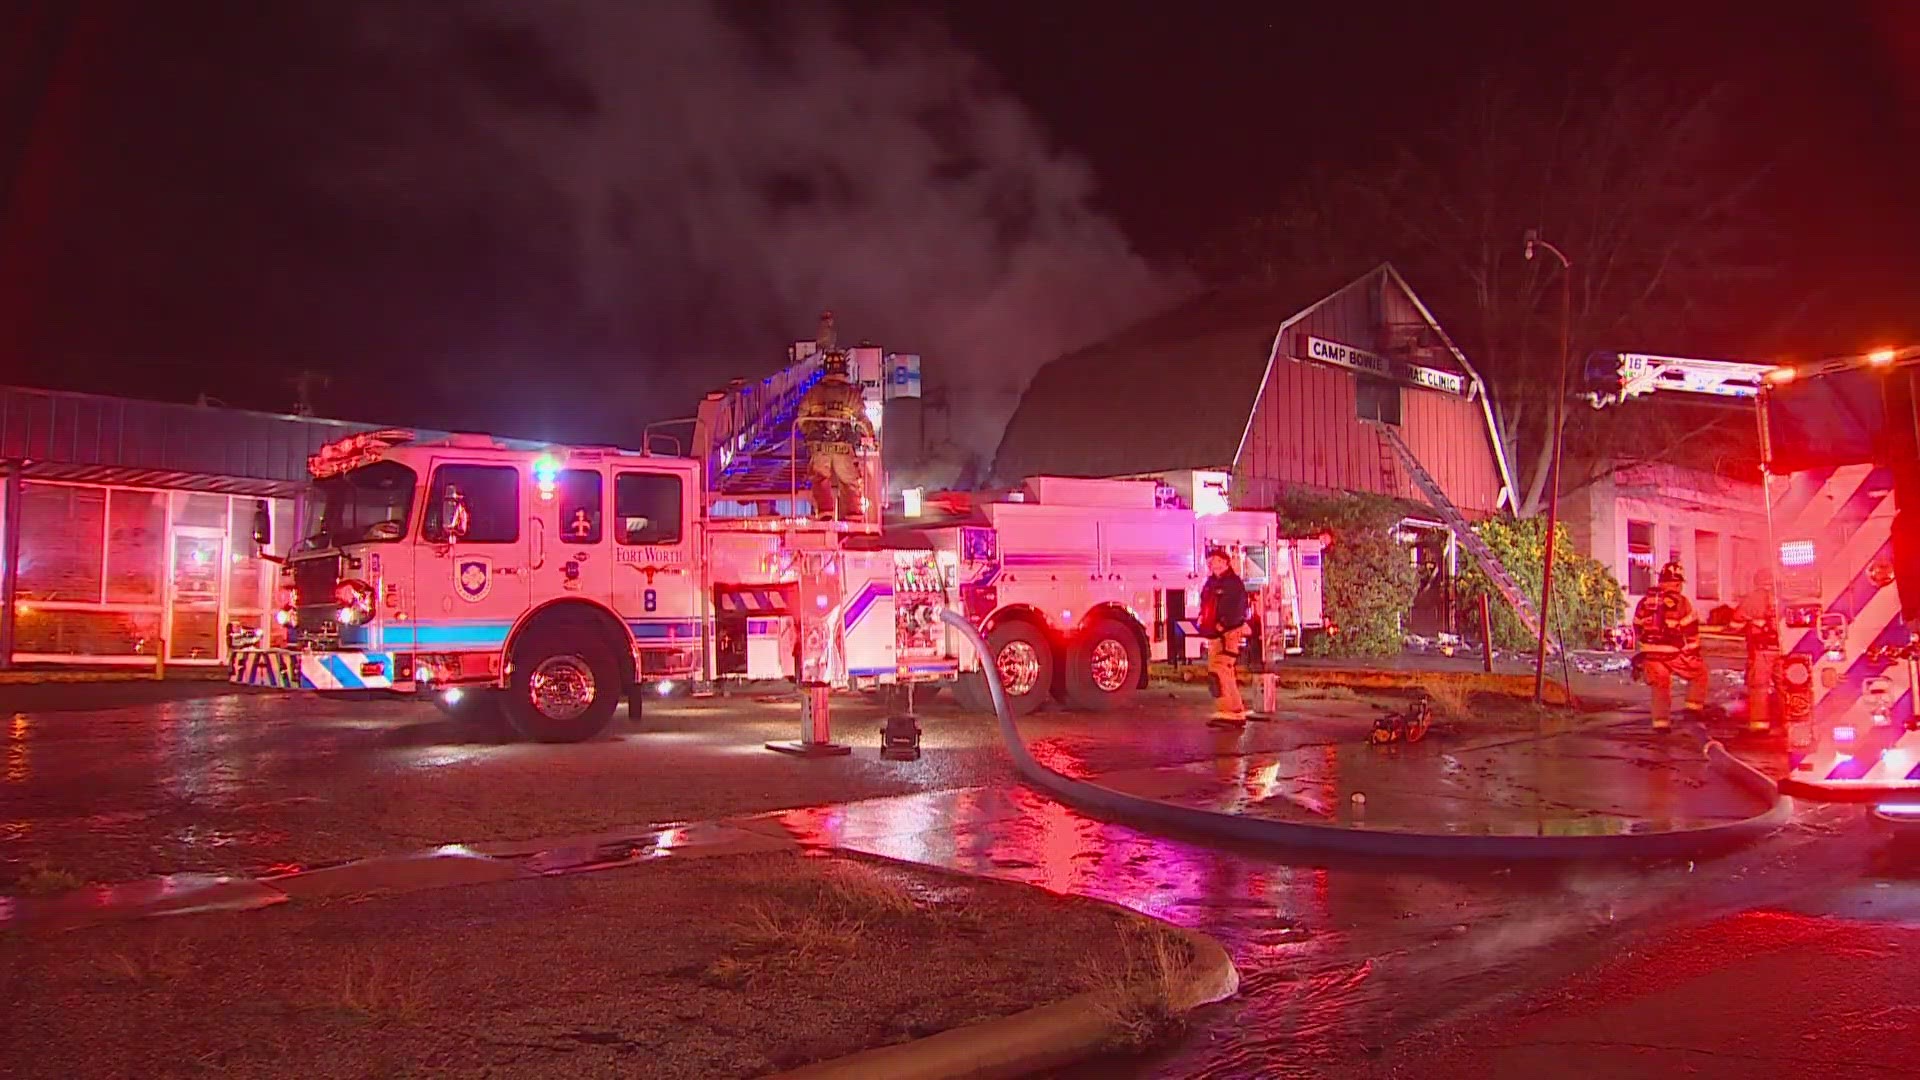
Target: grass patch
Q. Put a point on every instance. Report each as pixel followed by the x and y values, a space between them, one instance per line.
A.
pixel 838 889
pixel 375 986
pixel 44 880
pixel 164 960
pixel 1451 701
pixel 1312 691
pixel 1140 990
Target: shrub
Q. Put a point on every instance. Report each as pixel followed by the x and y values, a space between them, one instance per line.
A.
pixel 1587 600
pixel 1368 577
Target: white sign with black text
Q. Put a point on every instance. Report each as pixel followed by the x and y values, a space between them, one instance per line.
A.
pixel 1386 367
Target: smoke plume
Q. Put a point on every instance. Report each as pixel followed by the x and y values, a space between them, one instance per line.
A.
pixel 686 192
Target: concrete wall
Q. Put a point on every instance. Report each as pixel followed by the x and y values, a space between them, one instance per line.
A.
pixel 1717 527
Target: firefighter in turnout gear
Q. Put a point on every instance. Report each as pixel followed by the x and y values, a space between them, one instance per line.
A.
pixel 1758 620
pixel 1669 634
pixel 833 421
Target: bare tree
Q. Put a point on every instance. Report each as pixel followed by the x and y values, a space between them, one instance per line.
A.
pixel 1638 185
pixel 1634 181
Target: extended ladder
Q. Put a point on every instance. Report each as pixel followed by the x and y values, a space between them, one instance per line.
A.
pixel 1522 605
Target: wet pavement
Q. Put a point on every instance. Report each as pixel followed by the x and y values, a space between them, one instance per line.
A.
pixel 1347 964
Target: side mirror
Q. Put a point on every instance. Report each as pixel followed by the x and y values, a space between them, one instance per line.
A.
pixel 262 525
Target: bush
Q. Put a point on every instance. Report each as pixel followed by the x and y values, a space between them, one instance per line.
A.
pixel 1368 577
pixel 1587 600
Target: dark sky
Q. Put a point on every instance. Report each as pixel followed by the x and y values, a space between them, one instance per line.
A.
pixel 531 221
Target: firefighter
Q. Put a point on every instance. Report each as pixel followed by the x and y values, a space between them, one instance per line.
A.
pixel 833 421
pixel 1669 633
pixel 1223 622
pixel 1758 620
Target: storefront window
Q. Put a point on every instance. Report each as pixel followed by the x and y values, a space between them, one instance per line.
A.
pixel 87 633
pixel 193 508
pixel 247 574
pixel 60 530
pixel 136 546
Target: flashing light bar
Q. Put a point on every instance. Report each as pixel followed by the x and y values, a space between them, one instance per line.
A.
pixel 1797 553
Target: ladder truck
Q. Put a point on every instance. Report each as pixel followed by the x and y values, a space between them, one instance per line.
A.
pixel 550 582
pixel 1838 446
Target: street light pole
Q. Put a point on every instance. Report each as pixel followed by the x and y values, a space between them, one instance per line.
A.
pixel 1553 463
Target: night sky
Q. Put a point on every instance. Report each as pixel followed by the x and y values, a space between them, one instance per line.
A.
pixel 562 219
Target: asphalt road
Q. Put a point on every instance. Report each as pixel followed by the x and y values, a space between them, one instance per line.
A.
pixel 1789 953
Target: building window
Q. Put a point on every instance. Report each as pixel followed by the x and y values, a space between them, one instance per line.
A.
pixel 492 493
pixel 580 506
pixel 1377 399
pixel 62 531
pixel 648 506
pixel 136 546
pixel 1639 557
pixel 1706 552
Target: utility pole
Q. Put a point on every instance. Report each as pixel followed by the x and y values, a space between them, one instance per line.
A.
pixel 1553 463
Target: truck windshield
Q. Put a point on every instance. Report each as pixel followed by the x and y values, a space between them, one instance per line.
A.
pixel 367 505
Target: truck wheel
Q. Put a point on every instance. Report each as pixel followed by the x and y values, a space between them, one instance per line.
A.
pixel 1024 657
pixel 473 704
pixel 566 686
pixel 1103 667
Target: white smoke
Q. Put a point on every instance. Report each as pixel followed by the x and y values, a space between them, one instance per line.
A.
pixel 703 190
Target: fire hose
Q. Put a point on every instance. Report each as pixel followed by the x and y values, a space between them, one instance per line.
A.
pixel 1153 813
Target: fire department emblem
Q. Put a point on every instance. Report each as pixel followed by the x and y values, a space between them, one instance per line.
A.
pixel 473 577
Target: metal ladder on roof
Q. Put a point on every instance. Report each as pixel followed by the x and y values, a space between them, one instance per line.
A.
pixel 1522 604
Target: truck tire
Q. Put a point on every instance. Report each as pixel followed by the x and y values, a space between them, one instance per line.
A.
pixel 566 685
pixel 1024 658
pixel 474 705
pixel 1103 667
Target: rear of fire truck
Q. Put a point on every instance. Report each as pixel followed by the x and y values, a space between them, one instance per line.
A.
pixel 1839 442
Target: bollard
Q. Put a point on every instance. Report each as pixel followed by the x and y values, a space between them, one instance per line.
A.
pixel 1269 692
pixel 816 727
pixel 1486 634
pixel 159 661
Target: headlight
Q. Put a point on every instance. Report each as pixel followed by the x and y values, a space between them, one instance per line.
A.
pixel 355 598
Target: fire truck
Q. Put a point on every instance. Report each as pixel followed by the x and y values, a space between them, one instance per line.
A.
pixel 1838 445
pixel 549 582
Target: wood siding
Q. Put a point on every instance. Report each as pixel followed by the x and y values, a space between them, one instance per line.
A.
pixel 1306 430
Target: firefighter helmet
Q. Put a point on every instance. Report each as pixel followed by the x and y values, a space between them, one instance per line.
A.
pixel 1673 574
pixel 835 363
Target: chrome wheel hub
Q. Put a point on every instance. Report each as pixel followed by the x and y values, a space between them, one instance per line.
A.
pixel 1019 667
pixel 1110 666
pixel 562 687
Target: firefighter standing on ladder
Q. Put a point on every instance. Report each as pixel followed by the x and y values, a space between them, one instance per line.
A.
pixel 833 421
pixel 1758 620
pixel 1669 633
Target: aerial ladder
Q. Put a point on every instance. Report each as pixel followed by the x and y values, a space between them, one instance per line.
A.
pixel 747 435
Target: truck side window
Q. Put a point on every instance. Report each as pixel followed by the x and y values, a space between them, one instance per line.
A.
pixel 492 493
pixel 580 506
pixel 647 508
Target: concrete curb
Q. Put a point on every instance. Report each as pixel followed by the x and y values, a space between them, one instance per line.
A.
pixel 1046 1037
pixel 1325 838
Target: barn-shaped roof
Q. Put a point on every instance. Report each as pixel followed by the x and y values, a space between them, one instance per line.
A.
pixel 1178 390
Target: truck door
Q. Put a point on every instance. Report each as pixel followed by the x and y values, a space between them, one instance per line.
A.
pixel 656 573
pixel 571 515
pixel 477 555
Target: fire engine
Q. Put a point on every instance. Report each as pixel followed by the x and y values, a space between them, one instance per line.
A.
pixel 551 581
pixel 1837 440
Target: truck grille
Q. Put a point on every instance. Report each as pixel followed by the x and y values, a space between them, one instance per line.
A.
pixel 314 581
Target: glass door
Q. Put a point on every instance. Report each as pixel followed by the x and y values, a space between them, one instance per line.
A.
pixel 196 573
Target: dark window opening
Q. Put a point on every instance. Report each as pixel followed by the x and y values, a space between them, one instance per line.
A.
pixel 1378 399
pixel 580 507
pixel 648 508
pixel 492 494
pixel 1639 557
